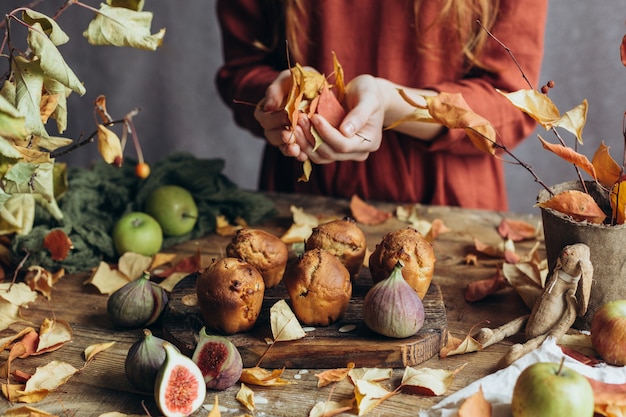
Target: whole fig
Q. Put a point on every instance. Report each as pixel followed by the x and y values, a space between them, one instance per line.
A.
pixel 143 361
pixel 218 359
pixel 392 308
pixel 139 303
pixel 179 389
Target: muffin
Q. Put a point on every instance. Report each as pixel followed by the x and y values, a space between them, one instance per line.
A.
pixel 344 239
pixel 261 249
pixel 319 287
pixel 416 253
pixel 230 295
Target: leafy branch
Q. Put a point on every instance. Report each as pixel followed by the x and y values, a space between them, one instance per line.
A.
pixel 35 90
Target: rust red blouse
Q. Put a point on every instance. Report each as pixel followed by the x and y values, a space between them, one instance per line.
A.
pixel 378 37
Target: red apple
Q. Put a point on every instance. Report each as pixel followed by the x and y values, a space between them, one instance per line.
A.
pixel 138 233
pixel 608 332
pixel 547 389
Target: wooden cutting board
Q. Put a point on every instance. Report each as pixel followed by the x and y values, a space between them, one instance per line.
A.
pixel 323 347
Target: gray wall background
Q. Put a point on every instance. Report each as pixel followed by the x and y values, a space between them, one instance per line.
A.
pixel 181 111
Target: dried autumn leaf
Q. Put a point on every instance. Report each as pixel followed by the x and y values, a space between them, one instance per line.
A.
pixel 577 204
pixel 527 278
pixel 50 376
pixel 41 280
pixel 92 350
pixel 224 228
pixel 607 394
pixel 428 381
pixel 516 230
pixel 504 249
pixel 302 226
pixel 6 341
pixel 15 393
pixel 284 324
pixel 329 376
pixel 475 405
pixel 329 107
pixel 456 346
pixel 53 333
pixel 452 111
pixel 331 408
pixel 574 120
pixel 263 377
pixel 18 294
pixel 26 411
pixel 607 170
pixel 25 347
pixel 9 314
pixel 109 146
pixel 537 105
pixel 568 154
pixel 246 397
pixel 370 374
pixel 618 201
pixel 480 289
pixel 107 279
pixel 366 213
pixel 132 265
pixel 368 395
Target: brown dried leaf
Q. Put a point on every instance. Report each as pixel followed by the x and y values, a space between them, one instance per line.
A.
pixel 577 204
pixel 107 279
pixel 333 375
pixel 331 408
pixel 568 154
pixel 263 377
pixel 302 226
pixel 480 289
pixel 18 294
pixel 367 214
pixel 42 280
pixel 537 105
pixel 475 405
pixel 428 381
pixel 8 340
pixel 246 397
pixel 109 146
pixel 622 50
pixel 504 249
pixel 49 377
pixel 607 170
pixel 618 202
pixel 456 346
pixel 369 394
pixel 329 107
pixel 133 265
pixel 370 374
pixel 58 244
pixel 527 278
pixel 53 333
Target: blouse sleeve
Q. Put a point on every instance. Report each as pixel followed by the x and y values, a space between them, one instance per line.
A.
pixel 250 60
pixel 520 27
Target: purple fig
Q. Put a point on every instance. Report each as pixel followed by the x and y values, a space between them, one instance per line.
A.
pixel 179 389
pixel 218 359
pixel 138 303
pixel 143 361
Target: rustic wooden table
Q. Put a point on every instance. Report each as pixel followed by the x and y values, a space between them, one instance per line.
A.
pixel 102 386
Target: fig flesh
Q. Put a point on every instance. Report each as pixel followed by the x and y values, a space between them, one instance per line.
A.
pixel 143 361
pixel 218 359
pixel 392 308
pixel 179 389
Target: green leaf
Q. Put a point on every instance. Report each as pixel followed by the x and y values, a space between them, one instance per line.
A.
pixel 51 61
pixel 28 86
pixel 17 213
pixel 118 26
pixel 136 5
pixel 47 24
pixel 7 148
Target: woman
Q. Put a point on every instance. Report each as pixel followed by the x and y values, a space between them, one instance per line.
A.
pixel 421 46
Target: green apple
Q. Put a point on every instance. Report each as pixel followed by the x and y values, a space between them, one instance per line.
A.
pixel 174 208
pixel 137 232
pixel 548 389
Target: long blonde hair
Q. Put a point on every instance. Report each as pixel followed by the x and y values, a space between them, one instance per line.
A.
pixel 461 15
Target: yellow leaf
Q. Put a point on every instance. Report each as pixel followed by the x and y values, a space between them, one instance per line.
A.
pixel 263 377
pixel 370 374
pixel 607 170
pixel 49 377
pixel 19 293
pixel 9 314
pixel 456 346
pixel 26 411
pixel 215 411
pixel 618 201
pixel 302 226
pixel 428 381
pixel 574 120
pixel 53 333
pixel 368 395
pixel 331 408
pixel 537 105
pixel 93 350
pixel 106 279
pixel 285 325
pixel 246 397
pixel 109 146
pixel 133 264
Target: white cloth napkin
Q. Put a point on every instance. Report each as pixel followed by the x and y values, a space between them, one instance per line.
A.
pixel 498 387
